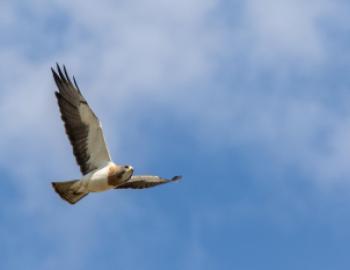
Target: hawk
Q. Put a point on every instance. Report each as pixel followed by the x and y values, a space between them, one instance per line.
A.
pixel 84 130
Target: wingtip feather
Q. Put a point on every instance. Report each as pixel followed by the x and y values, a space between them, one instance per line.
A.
pixel 66 74
pixel 176 178
pixel 60 73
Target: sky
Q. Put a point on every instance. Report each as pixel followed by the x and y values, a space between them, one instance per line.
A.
pixel 247 100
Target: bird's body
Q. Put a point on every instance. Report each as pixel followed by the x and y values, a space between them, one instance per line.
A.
pixel 106 177
pixel 85 133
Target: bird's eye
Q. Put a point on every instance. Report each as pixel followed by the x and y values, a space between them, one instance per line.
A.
pixel 126 167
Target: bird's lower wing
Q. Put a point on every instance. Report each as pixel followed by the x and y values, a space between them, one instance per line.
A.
pixel 146 181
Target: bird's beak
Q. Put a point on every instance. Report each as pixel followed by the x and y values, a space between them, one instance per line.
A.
pixel 130 169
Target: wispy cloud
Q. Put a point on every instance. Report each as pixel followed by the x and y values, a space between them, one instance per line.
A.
pixel 259 77
pixel 131 49
pixel 288 30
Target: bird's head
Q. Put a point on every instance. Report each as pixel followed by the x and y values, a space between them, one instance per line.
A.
pixel 128 171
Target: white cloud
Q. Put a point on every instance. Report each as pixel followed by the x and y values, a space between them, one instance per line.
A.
pixel 156 49
pixel 115 51
pixel 288 31
pixel 122 52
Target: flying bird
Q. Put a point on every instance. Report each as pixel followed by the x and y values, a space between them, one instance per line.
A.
pixel 84 130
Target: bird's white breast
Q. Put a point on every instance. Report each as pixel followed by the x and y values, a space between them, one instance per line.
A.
pixel 97 181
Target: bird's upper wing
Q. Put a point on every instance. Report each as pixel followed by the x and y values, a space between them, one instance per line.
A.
pixel 83 128
pixel 146 181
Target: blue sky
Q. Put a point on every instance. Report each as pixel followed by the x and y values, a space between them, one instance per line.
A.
pixel 248 100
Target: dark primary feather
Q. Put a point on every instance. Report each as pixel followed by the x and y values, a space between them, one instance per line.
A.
pixel 146 181
pixel 69 99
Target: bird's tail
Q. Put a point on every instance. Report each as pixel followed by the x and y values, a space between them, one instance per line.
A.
pixel 70 191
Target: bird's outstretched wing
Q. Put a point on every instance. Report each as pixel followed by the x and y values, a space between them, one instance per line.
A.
pixel 83 128
pixel 146 181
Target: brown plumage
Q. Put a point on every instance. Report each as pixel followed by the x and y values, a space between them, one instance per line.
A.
pixel 74 108
pixel 146 181
pixel 115 175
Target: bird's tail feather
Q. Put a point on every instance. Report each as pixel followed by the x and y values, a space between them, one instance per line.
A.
pixel 70 191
